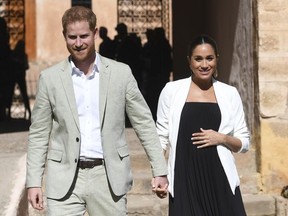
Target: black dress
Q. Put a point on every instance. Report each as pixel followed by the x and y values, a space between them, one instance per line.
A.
pixel 201 187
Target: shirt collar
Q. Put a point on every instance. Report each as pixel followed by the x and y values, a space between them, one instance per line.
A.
pixel 77 71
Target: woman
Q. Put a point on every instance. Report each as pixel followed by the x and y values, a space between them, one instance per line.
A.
pixel 201 121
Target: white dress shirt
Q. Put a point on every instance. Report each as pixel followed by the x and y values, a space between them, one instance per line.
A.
pixel 86 90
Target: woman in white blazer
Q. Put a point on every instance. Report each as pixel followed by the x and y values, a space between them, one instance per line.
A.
pixel 201 121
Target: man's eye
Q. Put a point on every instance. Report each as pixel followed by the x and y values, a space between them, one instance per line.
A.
pixel 83 36
pixel 72 37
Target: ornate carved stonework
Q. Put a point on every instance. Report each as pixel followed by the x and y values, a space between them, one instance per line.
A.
pixel 13 12
pixel 140 15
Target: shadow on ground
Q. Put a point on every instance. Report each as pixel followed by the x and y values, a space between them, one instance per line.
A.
pixel 14 125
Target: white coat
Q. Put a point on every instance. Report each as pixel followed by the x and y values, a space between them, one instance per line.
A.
pixel 170 105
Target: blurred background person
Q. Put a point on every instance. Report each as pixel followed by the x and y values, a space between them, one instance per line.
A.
pixel 128 50
pixel 19 67
pixel 159 65
pixel 106 47
pixel 5 65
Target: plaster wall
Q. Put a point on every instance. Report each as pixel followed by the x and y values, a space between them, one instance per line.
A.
pixel 273 89
pixel 50 42
pixel 106 12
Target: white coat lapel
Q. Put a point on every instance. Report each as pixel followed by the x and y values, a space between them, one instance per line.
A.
pixel 223 103
pixel 179 98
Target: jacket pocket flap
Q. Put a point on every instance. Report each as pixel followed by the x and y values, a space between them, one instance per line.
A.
pixel 55 155
pixel 123 151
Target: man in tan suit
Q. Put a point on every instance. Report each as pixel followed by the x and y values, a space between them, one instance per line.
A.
pixel 78 129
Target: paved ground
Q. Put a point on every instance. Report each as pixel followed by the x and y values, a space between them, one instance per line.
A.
pixel 13 146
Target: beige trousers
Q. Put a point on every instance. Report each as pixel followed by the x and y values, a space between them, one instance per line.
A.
pixel 91 193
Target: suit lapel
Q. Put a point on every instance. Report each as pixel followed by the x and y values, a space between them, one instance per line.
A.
pixel 67 83
pixel 104 76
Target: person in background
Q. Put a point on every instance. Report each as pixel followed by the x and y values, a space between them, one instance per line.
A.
pixel 106 47
pixel 128 50
pixel 202 123
pixel 158 53
pixel 19 66
pixel 5 67
pixel 78 127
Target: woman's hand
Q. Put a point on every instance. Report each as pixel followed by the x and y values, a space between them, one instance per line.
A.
pixel 206 138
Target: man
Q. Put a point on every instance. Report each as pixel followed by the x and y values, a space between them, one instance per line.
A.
pixel 80 111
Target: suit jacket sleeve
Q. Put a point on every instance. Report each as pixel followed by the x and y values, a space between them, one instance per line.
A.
pixel 39 136
pixel 144 126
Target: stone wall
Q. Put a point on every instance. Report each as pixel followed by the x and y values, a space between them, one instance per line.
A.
pixel 273 88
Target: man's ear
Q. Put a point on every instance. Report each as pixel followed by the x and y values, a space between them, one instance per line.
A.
pixel 96 33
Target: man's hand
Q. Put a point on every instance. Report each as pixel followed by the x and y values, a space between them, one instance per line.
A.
pixel 35 198
pixel 160 185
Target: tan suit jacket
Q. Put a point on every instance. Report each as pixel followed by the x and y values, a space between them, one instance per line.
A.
pixel 54 137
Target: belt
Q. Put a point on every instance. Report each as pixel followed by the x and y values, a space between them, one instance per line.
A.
pixel 89 164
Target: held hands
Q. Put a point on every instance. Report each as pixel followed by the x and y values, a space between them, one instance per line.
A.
pixel 206 138
pixel 35 198
pixel 159 186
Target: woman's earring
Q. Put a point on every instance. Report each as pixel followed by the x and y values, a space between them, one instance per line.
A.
pixel 190 68
pixel 215 74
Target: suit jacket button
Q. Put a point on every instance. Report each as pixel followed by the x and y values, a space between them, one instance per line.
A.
pixel 77 139
pixel 75 160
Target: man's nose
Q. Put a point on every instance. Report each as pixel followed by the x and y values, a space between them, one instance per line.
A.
pixel 78 42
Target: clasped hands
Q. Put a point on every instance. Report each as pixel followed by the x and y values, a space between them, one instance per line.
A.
pixel 159 186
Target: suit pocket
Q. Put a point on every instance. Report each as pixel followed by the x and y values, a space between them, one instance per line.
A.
pixel 123 151
pixel 55 155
